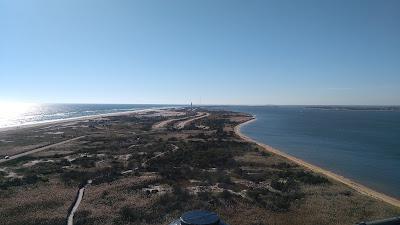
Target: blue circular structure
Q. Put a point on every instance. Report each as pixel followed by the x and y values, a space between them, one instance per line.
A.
pixel 199 217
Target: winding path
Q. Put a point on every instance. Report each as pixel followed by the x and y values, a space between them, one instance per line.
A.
pixel 77 203
pixel 39 149
pixel 144 164
pixel 164 123
pixel 183 123
pixel 175 148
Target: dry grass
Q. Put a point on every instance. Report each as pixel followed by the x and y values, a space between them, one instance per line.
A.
pixel 42 202
pixel 107 202
pixel 104 201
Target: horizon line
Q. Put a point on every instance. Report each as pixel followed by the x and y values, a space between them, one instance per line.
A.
pixel 202 104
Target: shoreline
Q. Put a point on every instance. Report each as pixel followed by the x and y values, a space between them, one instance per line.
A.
pixel 72 119
pixel 354 185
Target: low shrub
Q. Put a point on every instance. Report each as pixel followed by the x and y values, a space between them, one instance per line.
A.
pixel 27 180
pixel 310 178
pixel 284 185
pixel 279 202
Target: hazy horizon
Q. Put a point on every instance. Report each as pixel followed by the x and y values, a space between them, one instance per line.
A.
pixel 194 104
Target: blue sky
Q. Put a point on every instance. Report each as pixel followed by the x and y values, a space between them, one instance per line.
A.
pixel 209 51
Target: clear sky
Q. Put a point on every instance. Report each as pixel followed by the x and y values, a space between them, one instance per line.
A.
pixel 208 51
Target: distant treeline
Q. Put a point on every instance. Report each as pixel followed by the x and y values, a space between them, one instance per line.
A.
pixel 358 108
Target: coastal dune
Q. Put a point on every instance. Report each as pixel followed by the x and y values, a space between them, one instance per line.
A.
pixel 354 185
pixel 80 118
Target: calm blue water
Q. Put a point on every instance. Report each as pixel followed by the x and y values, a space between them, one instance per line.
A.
pixel 361 145
pixel 50 112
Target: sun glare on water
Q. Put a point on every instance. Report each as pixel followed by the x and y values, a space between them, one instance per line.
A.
pixel 11 111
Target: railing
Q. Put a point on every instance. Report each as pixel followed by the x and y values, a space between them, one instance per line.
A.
pixel 199 217
pixel 390 221
pixel 210 218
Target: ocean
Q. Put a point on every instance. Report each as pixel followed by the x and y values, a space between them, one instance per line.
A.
pixel 360 143
pixel 12 115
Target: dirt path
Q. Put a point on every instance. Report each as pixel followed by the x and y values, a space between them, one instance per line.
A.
pixel 182 124
pixel 39 149
pixel 354 185
pixel 164 123
pixel 144 164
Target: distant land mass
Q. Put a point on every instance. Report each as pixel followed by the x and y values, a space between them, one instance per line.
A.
pixel 363 108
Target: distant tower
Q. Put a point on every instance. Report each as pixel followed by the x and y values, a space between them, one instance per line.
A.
pixel 191 106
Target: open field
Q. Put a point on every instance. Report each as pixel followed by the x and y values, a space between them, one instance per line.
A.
pixel 142 174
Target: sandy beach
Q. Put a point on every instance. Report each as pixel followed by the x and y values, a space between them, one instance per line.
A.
pixel 90 117
pixel 354 185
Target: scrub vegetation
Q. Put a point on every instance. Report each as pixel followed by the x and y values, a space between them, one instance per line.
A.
pixel 144 173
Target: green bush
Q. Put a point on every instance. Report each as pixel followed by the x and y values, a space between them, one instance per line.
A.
pixel 27 180
pixel 274 201
pixel 310 178
pixel 256 177
pixel 167 203
pixel 225 195
pixel 39 221
pixel 71 176
pixel 85 162
pixel 284 185
pixel 131 214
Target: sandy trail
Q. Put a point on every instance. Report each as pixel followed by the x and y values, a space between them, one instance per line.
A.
pixel 164 123
pixel 182 124
pixel 144 164
pixel 175 148
pixel 354 185
pixel 39 149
